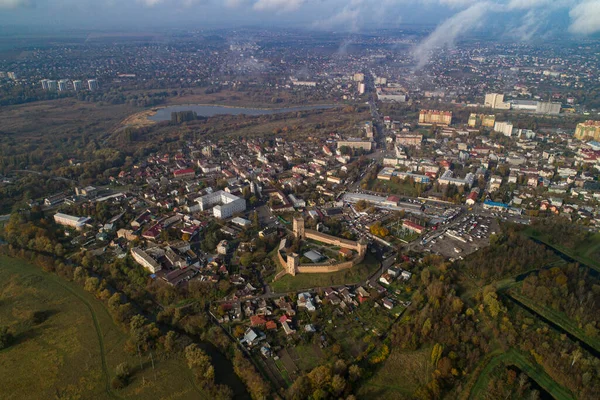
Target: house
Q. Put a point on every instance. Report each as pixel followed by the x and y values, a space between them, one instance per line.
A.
pixel 345 253
pixel 287 329
pixel 393 272
pixel 305 301
pixel 363 295
pixel 270 325
pixel 252 337
pixel 387 303
pixel 222 247
pixel 386 279
pixel 265 350
pixel 405 275
pixel 257 320
pixel 334 299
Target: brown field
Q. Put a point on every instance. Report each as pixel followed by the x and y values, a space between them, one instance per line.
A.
pixel 61 117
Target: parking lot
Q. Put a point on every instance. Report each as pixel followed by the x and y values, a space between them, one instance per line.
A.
pixel 464 236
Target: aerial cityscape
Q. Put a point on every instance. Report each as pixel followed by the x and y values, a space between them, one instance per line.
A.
pixel 300 199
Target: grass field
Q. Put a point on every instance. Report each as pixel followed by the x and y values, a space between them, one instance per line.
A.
pixel 401 188
pixel 401 374
pixel 355 274
pixel 535 372
pixel 75 350
pixel 557 318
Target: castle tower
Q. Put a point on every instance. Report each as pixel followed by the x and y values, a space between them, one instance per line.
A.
pixel 299 228
pixel 362 247
pixel 293 260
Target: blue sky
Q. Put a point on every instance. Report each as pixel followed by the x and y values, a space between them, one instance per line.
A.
pixel 522 19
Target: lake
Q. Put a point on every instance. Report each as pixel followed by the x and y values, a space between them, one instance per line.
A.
pixel 164 114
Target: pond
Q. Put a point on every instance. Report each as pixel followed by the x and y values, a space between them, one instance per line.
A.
pixel 164 114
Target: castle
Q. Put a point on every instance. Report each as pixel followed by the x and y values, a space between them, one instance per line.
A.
pixel 293 266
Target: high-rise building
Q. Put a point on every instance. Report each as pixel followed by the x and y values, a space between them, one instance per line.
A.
pixel 477 120
pixel 361 88
pixel 52 85
pixel 62 85
pixel 77 86
pixel 496 101
pixel 358 77
pixel 92 84
pixel 430 117
pixel 588 130
pixel 12 75
pixel 44 84
pixel 506 128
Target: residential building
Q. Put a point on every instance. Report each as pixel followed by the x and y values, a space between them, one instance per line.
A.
pixel 142 258
pixel 430 117
pixel 496 101
pixel 93 84
pixel 588 130
pixel 223 204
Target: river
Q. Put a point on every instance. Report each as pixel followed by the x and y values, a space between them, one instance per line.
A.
pixel 164 114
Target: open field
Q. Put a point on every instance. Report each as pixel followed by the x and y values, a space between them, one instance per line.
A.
pixel 75 349
pixel 406 369
pixel 535 372
pixel 61 117
pixel 400 188
pixel 355 274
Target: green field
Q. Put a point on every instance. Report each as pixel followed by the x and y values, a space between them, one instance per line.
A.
pixel 355 274
pixel 535 372
pixel 398 188
pixel 74 351
pixel 400 375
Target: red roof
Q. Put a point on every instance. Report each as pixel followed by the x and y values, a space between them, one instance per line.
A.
pixel 412 225
pixel 284 318
pixel 271 325
pixel 184 172
pixel 257 320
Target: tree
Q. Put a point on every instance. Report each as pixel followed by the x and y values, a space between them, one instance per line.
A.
pixel 199 362
pixel 320 377
pixel 299 390
pixel 92 284
pixel 354 372
pixel 338 385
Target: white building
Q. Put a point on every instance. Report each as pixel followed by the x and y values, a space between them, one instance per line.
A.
pixel 92 84
pixel 223 204
pixel 506 128
pixel 70 220
pixel 496 101
pixel 62 85
pixel 142 258
pixel 77 85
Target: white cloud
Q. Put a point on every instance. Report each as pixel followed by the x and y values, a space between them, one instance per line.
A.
pixel 446 33
pixel 14 3
pixel 585 18
pixel 278 5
